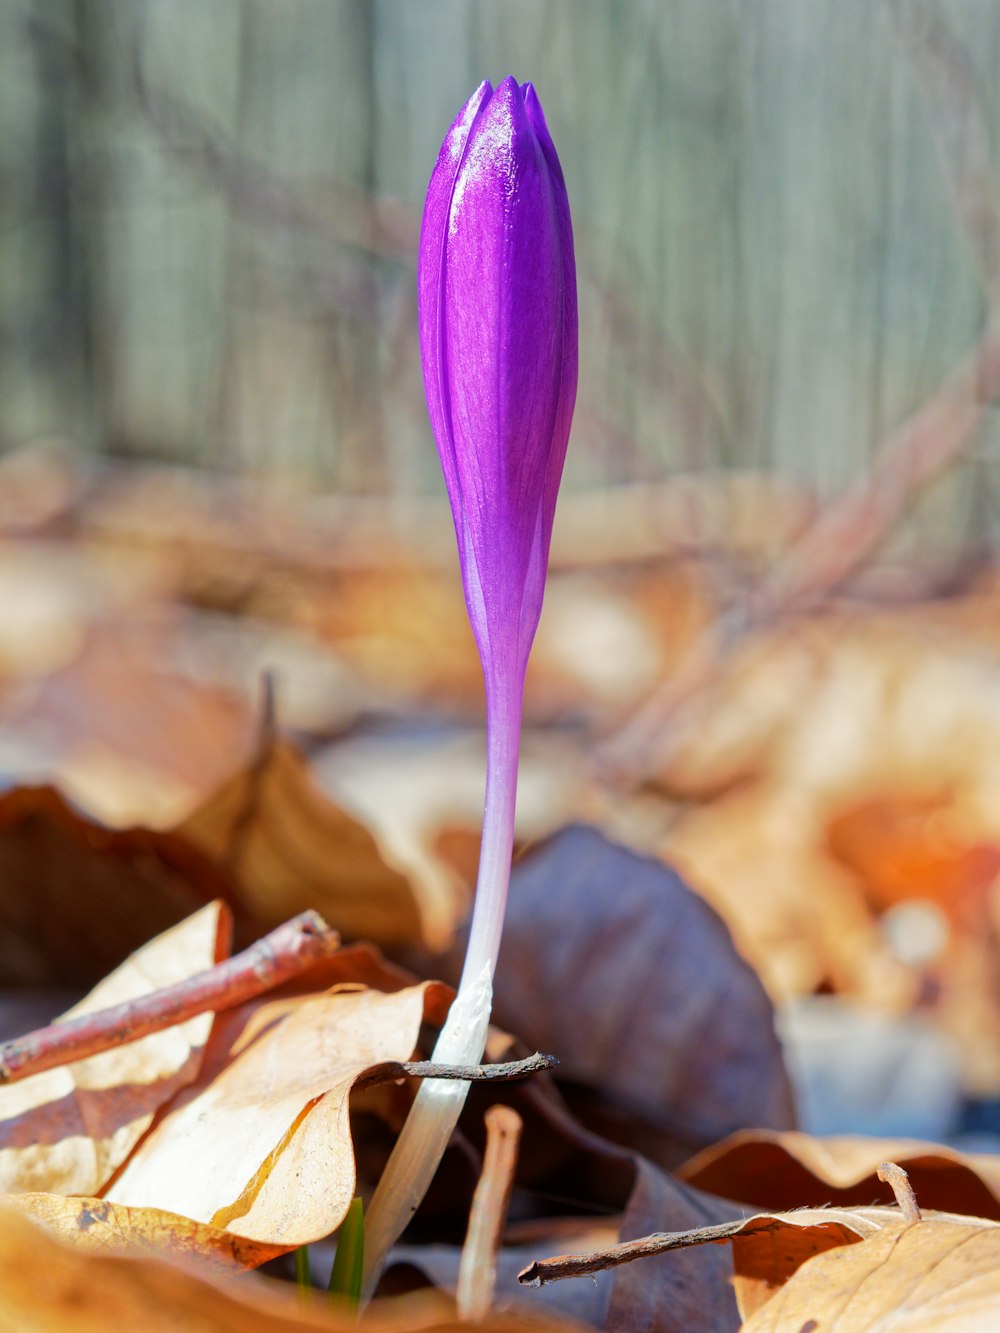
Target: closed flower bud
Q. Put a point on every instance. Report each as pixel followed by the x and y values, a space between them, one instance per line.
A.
pixel 498 340
pixel 497 297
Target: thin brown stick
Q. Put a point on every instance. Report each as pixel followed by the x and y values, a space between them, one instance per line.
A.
pixel 477 1272
pixel 279 956
pixel 579 1265
pixel 503 1072
pixel 893 1175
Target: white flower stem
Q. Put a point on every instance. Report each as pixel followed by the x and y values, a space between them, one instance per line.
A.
pixel 438 1103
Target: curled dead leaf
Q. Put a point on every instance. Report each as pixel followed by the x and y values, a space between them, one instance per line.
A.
pixel 98 1225
pixel 69 1129
pixel 261 1144
pixel 77 897
pixel 792 1170
pixel 610 961
pixel 937 1274
pixel 289 848
pixel 49 1287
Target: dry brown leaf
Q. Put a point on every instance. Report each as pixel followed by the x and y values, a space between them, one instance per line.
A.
pixel 76 897
pixel 934 1275
pixel 587 1301
pixel 913 846
pixel 665 1296
pixel 611 961
pixel 98 1225
pixel 67 1130
pixel 563 1162
pixel 422 799
pixel 131 739
pixel 49 1287
pixel 792 1170
pixel 799 917
pixel 261 1144
pixel 767 1250
pixel 289 848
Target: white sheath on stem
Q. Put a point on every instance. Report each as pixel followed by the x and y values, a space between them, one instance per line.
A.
pixel 438 1103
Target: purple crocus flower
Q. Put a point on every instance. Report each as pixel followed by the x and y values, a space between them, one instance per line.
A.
pixel 498 340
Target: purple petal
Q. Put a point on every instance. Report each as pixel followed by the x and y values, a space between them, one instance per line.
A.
pixel 432 237
pixel 498 323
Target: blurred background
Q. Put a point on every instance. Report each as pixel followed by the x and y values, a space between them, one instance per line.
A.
pixel 209 213
pixel 769 653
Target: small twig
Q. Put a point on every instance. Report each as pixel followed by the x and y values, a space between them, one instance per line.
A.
pixel 477 1271
pixel 579 1265
pixel 504 1072
pixel 891 1174
pixel 279 956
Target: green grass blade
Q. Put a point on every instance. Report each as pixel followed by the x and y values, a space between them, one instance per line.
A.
pixel 303 1275
pixel 349 1261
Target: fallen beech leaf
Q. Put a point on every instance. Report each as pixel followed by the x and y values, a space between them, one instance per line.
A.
pixel 67 1130
pixel 118 703
pixel 791 1170
pixel 937 1274
pixel 98 1225
pixel 665 1298
pixel 800 918
pixel 49 1287
pixel 289 848
pixel 561 1160
pixel 767 1250
pixel 261 1144
pixel 422 799
pixel 612 962
pixel 76 897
